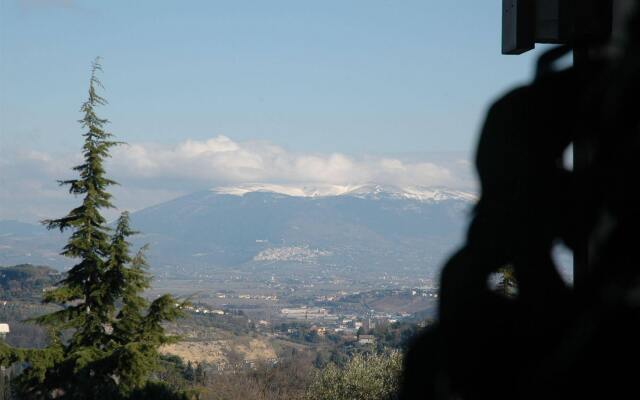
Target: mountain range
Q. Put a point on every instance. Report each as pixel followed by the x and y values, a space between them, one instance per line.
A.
pixel 366 227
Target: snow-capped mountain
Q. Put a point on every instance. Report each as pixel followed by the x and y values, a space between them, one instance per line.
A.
pixel 366 227
pixel 370 190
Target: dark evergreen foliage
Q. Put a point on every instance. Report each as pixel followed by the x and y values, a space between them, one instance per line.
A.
pixel 116 333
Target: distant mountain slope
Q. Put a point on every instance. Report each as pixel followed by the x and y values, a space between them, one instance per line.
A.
pixel 22 243
pixel 366 226
pixel 372 190
pixel 26 281
pixel 17 228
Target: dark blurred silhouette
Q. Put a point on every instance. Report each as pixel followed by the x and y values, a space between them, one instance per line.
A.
pixel 550 340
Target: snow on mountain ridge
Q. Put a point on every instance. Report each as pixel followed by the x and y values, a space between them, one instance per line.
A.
pixel 289 190
pixel 370 191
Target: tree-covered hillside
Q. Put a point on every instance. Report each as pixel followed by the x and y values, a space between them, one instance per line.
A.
pixel 26 281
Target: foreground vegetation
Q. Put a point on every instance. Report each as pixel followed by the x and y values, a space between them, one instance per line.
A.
pixel 371 376
pixel 104 338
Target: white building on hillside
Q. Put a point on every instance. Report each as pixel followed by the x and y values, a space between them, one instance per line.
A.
pixel 4 329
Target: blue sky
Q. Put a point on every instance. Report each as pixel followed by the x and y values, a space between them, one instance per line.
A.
pixel 359 79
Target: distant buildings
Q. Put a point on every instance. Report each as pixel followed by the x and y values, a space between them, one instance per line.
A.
pixel 366 339
pixel 319 330
pixel 4 330
pixel 200 309
pixel 305 313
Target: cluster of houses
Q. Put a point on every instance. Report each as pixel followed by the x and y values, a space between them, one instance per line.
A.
pixel 222 295
pixel 200 309
pixel 349 326
pixel 355 336
pixel 258 297
pixel 305 313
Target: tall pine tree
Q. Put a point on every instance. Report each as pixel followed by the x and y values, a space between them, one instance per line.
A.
pixel 114 332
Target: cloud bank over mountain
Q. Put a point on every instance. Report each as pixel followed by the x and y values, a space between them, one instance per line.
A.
pixel 221 159
pixel 150 173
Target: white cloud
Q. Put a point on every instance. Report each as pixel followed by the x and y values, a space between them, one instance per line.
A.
pixel 150 173
pixel 222 160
